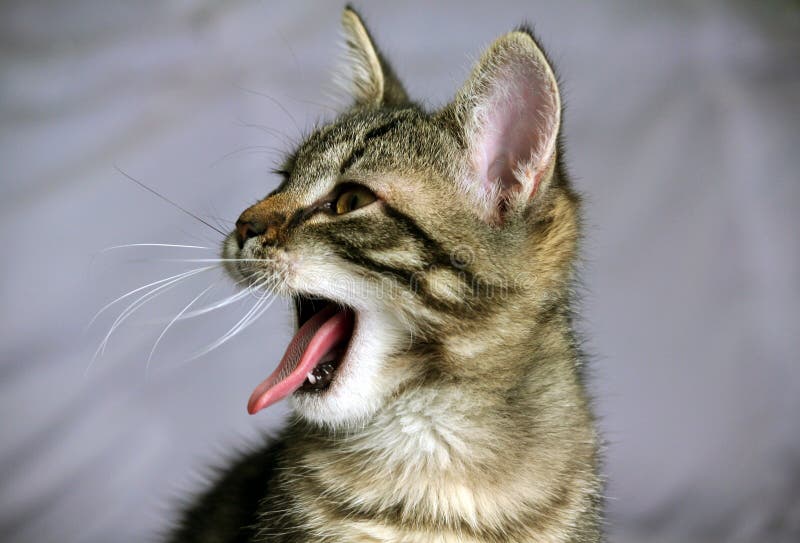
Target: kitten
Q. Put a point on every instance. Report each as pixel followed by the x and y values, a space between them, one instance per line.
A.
pixel 435 377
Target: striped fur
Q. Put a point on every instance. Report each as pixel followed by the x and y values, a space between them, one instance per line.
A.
pixel 461 414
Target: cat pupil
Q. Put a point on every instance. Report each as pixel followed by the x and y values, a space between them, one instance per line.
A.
pixel 351 200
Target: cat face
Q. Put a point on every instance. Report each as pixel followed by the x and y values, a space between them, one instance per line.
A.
pixel 402 235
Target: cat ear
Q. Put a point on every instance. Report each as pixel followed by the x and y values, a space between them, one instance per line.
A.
pixel 372 80
pixel 509 114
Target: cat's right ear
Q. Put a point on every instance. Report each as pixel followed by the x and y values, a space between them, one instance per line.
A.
pixel 372 80
pixel 508 114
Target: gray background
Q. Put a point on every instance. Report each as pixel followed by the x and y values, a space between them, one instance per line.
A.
pixel 681 129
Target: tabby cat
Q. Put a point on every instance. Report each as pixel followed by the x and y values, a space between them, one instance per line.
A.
pixel 435 377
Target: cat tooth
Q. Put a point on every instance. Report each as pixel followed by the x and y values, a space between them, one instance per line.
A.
pixel 311 378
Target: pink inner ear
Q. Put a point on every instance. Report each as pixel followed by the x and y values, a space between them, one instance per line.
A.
pixel 517 125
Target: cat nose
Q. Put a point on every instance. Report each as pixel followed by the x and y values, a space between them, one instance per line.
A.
pixel 246 229
pixel 259 221
pixel 266 220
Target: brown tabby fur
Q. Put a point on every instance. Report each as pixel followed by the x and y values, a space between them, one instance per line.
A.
pixel 481 430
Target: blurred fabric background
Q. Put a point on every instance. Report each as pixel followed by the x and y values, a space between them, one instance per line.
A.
pixel 682 126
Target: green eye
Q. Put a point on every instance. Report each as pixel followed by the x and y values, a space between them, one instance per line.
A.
pixel 352 199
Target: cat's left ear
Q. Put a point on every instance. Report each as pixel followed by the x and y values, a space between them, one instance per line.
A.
pixel 509 114
pixel 373 82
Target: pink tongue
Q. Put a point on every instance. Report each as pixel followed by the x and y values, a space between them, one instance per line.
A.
pixel 313 340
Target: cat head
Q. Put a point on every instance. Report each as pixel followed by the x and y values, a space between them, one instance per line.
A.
pixel 416 245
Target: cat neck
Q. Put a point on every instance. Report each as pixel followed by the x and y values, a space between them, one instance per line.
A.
pixel 466 451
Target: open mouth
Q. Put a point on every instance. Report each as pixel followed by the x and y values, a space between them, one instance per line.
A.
pixel 313 356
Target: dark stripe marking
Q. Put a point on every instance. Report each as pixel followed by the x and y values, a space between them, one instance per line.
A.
pixel 383 129
pixel 373 133
pixel 357 153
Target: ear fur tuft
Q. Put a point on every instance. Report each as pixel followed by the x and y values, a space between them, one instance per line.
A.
pixel 372 80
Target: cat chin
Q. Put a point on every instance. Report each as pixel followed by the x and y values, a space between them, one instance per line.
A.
pixel 362 383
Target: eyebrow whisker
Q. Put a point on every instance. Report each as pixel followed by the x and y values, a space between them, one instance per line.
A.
pixel 181 208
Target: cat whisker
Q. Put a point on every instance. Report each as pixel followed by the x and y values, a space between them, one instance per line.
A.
pixel 209 308
pixel 222 221
pixel 153 191
pixel 134 291
pixel 263 310
pixel 264 128
pixel 173 321
pixel 233 331
pixel 139 302
pixel 265 304
pixel 277 103
pixel 209 259
pixel 224 224
pixel 320 105
pixel 217 305
pixel 254 149
pixel 202 237
pixel 172 245
pixel 261 305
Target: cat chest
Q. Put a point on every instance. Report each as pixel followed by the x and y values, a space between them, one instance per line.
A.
pixel 405 483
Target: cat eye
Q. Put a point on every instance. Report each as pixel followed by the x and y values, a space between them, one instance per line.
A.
pixel 353 198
